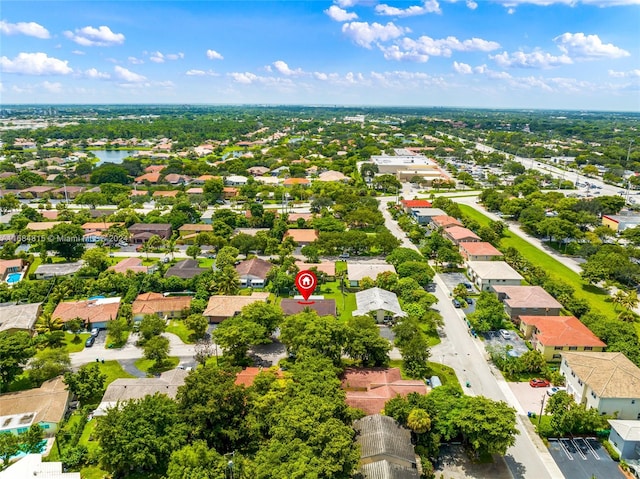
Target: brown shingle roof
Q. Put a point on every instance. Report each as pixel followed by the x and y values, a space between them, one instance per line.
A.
pixel 49 402
pixel 527 297
pixel 254 267
pixel 445 221
pixel 302 236
pixel 223 306
pixel 324 307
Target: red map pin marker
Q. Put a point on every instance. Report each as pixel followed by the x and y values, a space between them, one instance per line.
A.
pixel 306 283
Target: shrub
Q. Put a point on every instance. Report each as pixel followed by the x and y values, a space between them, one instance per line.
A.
pixel 612 452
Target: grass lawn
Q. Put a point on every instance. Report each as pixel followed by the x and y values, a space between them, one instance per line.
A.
pixel 178 328
pixel 206 262
pixel 113 370
pixel 93 472
pixel 146 365
pixel 597 298
pixel 446 374
pixel 148 262
pixel 346 306
pixel 68 345
pixel 341 266
pixel 545 421
pixel 110 340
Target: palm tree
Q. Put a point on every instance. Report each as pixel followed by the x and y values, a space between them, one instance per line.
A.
pixel 47 324
pixel 171 246
pixel 618 298
pixel 630 300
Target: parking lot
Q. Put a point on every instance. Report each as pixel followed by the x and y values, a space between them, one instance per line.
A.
pixel 495 340
pixel 583 458
pixel 530 399
pixel 451 280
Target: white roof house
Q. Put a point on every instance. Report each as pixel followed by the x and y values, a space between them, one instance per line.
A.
pixel 625 438
pixel 486 274
pixel 378 300
pixel 32 466
pixel 357 271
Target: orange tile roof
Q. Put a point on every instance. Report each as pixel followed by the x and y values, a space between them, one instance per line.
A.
pixel 153 303
pixel 527 297
pixel 129 264
pixel 295 181
pixel 154 168
pixel 445 221
pixel 479 248
pixel 327 267
pixel 248 375
pixel 416 204
pixel 562 331
pixel 93 311
pixel 459 232
pixel 302 236
pixel 150 177
pixel 166 194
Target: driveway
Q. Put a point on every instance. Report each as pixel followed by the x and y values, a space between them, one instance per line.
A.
pixel 454 463
pixel 529 398
pixel 453 279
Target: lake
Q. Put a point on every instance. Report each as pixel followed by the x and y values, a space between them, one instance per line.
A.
pixel 112 156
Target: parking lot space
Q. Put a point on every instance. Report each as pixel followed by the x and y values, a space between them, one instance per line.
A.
pixel 583 458
pixel 451 280
pixel 454 463
pixel 495 340
pixel 529 398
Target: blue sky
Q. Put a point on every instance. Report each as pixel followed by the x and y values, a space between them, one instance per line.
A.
pixel 566 54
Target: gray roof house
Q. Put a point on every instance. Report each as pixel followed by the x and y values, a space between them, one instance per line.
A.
pixel 380 301
pixel 625 438
pixel 48 271
pixel 185 269
pixel 386 451
pixel 19 317
pixel 357 271
pixel 487 274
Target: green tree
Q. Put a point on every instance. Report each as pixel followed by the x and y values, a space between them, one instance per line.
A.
pixel 157 349
pixel 117 331
pixel 236 335
pixel 15 350
pixel 87 384
pixel 198 324
pixel 48 364
pixel 402 255
pixel 140 435
pixel 193 251
pixel 267 315
pixel 152 325
pixel 110 173
pixel 66 240
pixel 197 461
pixel 418 421
pixel 489 313
pixel 97 259
pixel 8 203
pixel 307 331
pixel 363 342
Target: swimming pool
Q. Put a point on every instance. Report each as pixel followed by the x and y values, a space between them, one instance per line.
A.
pixel 13 278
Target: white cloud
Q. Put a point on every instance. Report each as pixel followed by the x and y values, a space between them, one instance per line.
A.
pixel 78 52
pixel 421 49
pixel 629 74
pixel 95 37
pixel 462 68
pixel 320 76
pixel 52 87
pixel 245 78
pixel 135 61
pixel 571 3
pixel 174 56
pixel 350 3
pixel 340 15
pixel 158 57
pixel 364 34
pixel 283 68
pixel 428 6
pixel 30 29
pixel 95 74
pixel 472 5
pixel 35 64
pixel 579 45
pixel 201 73
pixel 127 75
pixel 535 59
pixel 214 55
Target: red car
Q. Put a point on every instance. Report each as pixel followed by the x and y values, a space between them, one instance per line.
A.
pixel 539 383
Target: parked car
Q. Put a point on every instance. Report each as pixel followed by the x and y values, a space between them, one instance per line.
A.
pixel 95 332
pixel 539 383
pixel 505 334
pixel 89 342
pixel 344 255
pixel 456 303
pixel 552 390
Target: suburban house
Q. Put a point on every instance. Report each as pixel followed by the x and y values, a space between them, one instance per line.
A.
pixel 460 234
pixel 235 180
pixel 44 406
pixel 527 300
pixel 95 312
pixel 19 317
pixel 479 251
pixel 332 176
pixel 625 438
pixel 382 303
pixel 386 451
pixel 409 205
pixel 36 191
pixel 294 217
pixel 619 223
pixel 229 192
pixel 302 237
pixel 324 307
pixel 160 305
pixel 126 389
pixel 296 182
pixel 68 192
pixel 8 266
pixel 48 271
pixel 141 232
pixel 487 274
pixel 553 334
pixel 150 177
pixel 32 465
pixel 326 267
pixel 185 269
pixel 42 225
pixel 129 264
pixel 188 232
pixel 357 271
pixel 444 221
pixel 370 388
pixel 424 215
pixel 98 227
pixel 165 194
pixel 608 382
pixel 221 307
pixel 258 170
pixel 253 273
